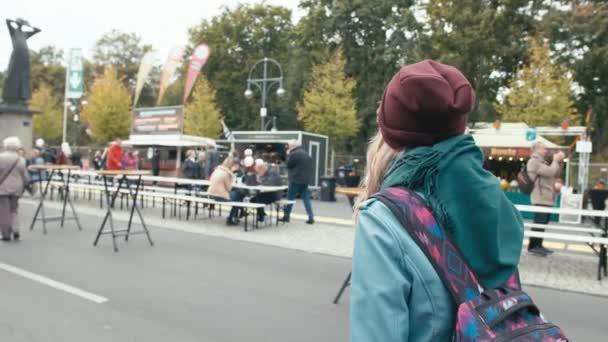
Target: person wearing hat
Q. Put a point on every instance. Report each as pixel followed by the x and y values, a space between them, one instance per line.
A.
pixel 14 179
pixel 396 293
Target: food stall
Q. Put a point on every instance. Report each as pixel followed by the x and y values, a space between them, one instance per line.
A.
pixel 507 147
pixel 161 128
pixel 271 146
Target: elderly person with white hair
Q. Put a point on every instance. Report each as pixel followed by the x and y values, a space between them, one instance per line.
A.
pixel 266 176
pixel 13 181
pixel 299 170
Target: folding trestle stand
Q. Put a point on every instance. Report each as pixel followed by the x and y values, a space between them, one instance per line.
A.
pixel 40 213
pixel 123 183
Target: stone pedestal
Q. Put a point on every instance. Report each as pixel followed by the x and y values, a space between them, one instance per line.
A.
pixel 17 121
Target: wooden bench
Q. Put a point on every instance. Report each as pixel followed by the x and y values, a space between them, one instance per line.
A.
pixel 597 236
pixel 564 228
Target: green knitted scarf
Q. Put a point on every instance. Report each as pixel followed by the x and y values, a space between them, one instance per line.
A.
pixel 467 201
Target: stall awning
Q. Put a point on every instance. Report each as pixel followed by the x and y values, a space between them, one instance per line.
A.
pixel 174 140
pixel 509 141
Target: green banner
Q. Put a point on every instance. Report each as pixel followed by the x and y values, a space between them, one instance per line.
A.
pixel 75 75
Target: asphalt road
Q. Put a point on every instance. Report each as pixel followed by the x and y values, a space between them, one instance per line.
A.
pixel 191 287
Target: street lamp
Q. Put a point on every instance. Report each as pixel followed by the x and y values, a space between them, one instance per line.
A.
pixel 264 84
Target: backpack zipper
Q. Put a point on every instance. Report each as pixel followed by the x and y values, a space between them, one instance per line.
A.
pixel 521 332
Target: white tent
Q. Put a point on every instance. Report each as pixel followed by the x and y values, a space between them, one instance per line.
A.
pixel 510 135
pixel 174 140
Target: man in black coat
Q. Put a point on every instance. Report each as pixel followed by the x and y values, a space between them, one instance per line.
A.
pixel 299 170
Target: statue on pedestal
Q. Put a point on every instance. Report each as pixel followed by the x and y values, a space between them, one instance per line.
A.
pixel 16 90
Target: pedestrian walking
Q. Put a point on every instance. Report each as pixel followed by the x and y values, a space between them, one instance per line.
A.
pixel 397 295
pixel 544 177
pixel 14 179
pixel 299 171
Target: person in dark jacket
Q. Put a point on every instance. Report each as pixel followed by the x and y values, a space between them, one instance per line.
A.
pixel 269 177
pixel 213 160
pixel 299 170
pixel 155 162
pixel 98 160
pixel 190 168
pixel 49 156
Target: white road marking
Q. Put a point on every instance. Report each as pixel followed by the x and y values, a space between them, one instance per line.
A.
pixel 54 284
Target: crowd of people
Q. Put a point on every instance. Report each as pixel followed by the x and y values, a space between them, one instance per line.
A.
pixel 248 169
pixel 255 171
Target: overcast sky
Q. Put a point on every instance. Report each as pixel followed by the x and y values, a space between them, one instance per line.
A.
pixel 79 23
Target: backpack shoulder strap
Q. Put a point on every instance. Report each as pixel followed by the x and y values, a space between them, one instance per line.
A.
pixel 6 174
pixel 442 253
pixel 447 260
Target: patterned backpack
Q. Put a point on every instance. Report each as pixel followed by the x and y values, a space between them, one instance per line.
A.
pixel 502 314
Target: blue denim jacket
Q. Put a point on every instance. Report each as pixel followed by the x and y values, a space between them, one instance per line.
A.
pixel 396 294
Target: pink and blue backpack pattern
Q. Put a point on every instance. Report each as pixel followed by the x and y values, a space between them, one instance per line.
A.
pixel 502 314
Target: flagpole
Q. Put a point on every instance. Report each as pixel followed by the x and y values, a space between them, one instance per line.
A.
pixel 65 103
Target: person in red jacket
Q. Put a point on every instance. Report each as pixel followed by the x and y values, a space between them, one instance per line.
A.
pixel 115 155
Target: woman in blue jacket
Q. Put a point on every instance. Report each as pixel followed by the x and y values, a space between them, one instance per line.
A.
pixel 421 145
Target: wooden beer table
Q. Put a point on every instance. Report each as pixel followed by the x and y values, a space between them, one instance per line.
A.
pixel 350 193
pixel 65 173
pixel 123 184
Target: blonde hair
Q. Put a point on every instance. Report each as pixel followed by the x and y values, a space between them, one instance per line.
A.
pixel 228 162
pixel 379 158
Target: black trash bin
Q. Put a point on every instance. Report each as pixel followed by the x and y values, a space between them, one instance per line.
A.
pixel 328 189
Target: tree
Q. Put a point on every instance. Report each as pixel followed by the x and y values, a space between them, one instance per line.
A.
pixel 377 37
pixel 580 41
pixel 47 69
pixel 123 51
pixel 108 112
pixel 485 39
pixel 239 37
pixel 202 117
pixel 541 91
pixel 49 124
pixel 328 106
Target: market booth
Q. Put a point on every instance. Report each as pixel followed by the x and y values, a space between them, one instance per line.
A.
pixel 271 146
pixel 161 128
pixel 505 149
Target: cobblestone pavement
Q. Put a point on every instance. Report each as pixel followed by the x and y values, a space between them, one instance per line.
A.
pixel 333 234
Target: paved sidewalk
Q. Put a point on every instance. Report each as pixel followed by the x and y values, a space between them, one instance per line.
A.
pixel 576 272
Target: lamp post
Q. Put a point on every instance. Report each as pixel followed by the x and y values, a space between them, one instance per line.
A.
pixel 75 107
pixel 264 84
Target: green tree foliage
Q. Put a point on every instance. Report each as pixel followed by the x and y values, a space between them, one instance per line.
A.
pixel 377 38
pixel 485 39
pixel 239 37
pixel 47 69
pixel 108 112
pixel 579 35
pixel 541 91
pixel 328 106
pixel 48 124
pixel 123 51
pixel 202 115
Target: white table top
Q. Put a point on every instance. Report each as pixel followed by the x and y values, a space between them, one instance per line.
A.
pixel 200 182
pixel 565 211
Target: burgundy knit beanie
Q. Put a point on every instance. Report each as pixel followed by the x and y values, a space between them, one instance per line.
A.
pixel 423 104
